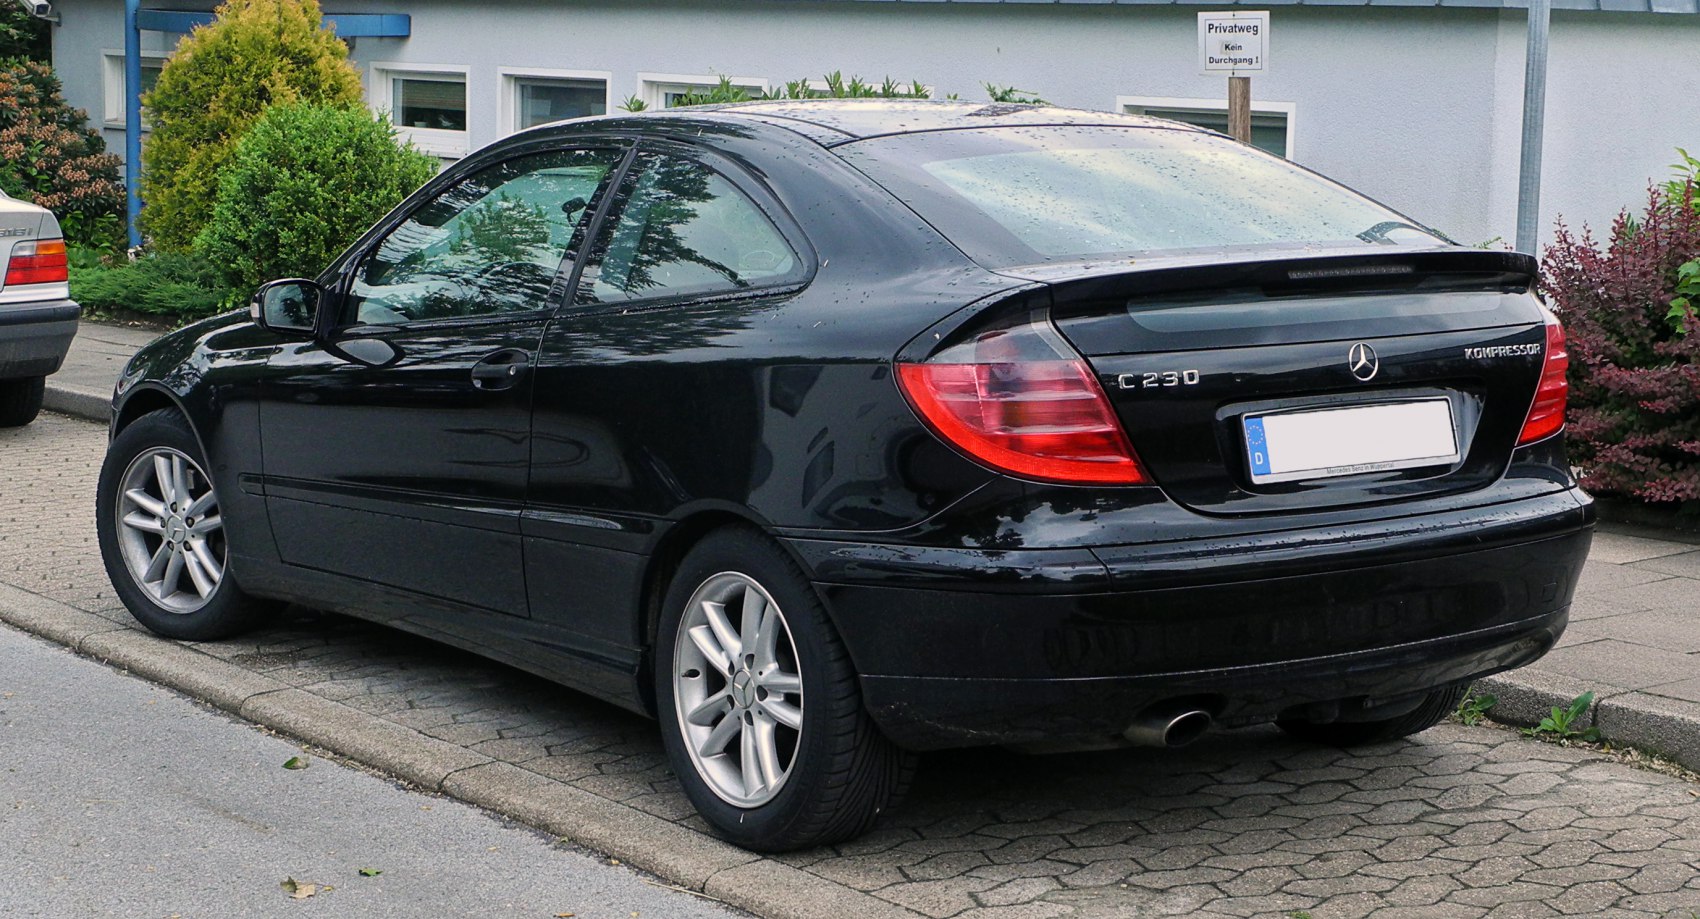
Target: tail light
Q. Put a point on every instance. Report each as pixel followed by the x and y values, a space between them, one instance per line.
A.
pixel 1546 413
pixel 1019 399
pixel 39 262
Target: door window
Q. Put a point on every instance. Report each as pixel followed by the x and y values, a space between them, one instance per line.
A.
pixel 684 230
pixel 493 243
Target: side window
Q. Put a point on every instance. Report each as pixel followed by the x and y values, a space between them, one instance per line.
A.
pixel 683 230
pixel 490 244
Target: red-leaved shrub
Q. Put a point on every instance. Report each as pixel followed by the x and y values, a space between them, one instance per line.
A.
pixel 1634 361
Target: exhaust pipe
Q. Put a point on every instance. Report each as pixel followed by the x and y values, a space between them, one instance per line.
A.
pixel 1168 725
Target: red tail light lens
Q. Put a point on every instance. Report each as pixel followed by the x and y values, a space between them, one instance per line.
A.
pixel 1546 414
pixel 38 262
pixel 1020 400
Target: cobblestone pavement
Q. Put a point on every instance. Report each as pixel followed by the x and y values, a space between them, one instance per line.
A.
pixel 1458 822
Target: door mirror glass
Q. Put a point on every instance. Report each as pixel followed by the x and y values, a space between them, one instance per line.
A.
pixel 289 306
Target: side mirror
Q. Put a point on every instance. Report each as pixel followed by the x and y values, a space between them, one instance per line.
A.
pixel 289 306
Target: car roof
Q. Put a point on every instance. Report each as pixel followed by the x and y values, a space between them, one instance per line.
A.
pixel 836 121
pixel 831 122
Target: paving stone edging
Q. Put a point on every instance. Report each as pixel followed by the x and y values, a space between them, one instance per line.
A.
pixel 676 854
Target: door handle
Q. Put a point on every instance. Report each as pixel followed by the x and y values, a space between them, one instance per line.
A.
pixel 500 370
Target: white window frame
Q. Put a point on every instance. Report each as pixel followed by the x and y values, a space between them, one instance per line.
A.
pixel 112 79
pixel 1136 105
pixel 438 142
pixel 508 106
pixel 654 87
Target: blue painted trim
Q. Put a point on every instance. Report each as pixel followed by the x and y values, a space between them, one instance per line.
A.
pixel 132 120
pixel 346 25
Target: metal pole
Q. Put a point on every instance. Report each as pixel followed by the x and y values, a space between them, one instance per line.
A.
pixel 1239 109
pixel 1534 123
pixel 132 119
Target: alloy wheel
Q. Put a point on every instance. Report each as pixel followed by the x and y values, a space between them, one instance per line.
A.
pixel 738 689
pixel 170 533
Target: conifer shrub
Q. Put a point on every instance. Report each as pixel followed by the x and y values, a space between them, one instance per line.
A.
pixel 254 55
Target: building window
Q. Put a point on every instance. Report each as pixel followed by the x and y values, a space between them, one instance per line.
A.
pixel 666 90
pixel 1271 122
pixel 534 97
pixel 152 64
pixel 428 104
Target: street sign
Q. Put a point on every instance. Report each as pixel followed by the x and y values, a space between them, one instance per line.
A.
pixel 1233 44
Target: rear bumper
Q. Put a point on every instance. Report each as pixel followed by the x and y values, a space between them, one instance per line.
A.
pixel 34 339
pixel 1023 646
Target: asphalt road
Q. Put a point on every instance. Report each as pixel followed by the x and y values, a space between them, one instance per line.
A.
pixel 122 799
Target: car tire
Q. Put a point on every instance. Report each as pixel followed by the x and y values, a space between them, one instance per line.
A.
pixel 20 401
pixel 833 774
pixel 142 523
pixel 1431 711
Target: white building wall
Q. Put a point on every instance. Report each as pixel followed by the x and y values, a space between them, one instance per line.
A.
pixel 1419 107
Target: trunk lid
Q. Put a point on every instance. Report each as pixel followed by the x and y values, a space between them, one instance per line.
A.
pixel 1189 350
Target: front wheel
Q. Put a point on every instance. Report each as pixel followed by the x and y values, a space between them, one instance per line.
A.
pixel 162 533
pixel 759 706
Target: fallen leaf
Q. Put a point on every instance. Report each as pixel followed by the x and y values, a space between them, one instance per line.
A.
pixel 613 861
pixel 370 872
pixel 295 762
pixel 298 890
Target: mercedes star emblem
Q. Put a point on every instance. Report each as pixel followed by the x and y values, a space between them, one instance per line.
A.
pixel 1363 363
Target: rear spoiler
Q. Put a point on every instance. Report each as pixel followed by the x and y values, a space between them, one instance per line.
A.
pixel 1282 274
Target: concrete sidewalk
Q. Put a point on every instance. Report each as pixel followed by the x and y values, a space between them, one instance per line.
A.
pixel 1634 637
pixel 83 386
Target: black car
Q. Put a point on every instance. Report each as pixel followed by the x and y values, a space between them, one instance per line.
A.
pixel 827 432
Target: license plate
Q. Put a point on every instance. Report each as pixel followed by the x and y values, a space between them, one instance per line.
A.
pixel 1287 446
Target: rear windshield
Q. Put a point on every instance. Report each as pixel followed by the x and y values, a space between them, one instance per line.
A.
pixel 1023 196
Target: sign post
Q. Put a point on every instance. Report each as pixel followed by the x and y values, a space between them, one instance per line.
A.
pixel 1236 44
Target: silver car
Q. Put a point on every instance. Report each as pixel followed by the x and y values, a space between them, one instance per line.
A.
pixel 37 317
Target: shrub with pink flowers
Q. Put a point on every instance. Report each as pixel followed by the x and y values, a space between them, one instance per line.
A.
pixel 49 156
pixel 1628 303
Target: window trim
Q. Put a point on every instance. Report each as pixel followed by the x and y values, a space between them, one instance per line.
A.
pixel 654 87
pixel 438 142
pixel 1136 105
pixel 767 203
pixel 510 77
pixel 112 86
pixel 566 275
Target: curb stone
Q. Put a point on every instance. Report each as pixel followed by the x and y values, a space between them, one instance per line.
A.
pixel 678 854
pixel 76 403
pixel 1654 724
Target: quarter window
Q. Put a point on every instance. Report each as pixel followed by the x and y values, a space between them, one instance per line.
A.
pixel 492 244
pixel 684 230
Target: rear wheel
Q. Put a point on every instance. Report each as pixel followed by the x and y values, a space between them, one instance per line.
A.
pixel 1432 710
pixel 162 533
pixel 759 705
pixel 20 401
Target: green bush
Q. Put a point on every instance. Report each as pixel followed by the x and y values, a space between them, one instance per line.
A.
pixel 173 285
pixel 49 156
pixel 23 36
pixel 256 54
pixel 304 183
